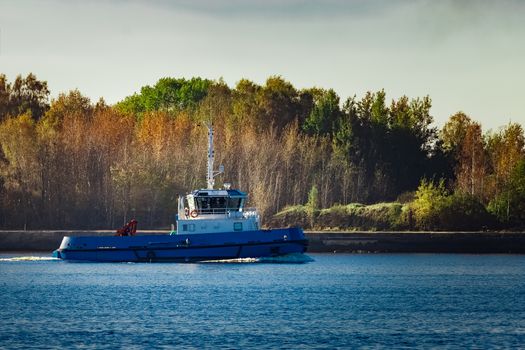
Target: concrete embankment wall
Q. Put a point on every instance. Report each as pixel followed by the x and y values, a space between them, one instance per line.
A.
pixel 46 240
pixel 385 242
pixel 418 242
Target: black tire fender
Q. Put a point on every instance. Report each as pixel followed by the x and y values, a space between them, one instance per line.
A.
pixel 151 255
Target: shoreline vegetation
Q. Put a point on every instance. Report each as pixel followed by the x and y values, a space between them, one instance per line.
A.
pixel 305 156
pixel 388 216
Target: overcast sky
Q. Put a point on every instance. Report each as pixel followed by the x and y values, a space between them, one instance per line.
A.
pixel 467 55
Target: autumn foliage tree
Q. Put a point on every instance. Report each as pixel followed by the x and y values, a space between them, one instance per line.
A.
pixel 73 163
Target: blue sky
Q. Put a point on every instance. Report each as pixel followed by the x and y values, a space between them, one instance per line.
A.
pixel 467 55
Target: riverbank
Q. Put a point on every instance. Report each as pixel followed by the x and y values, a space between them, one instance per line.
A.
pixel 418 242
pixel 342 242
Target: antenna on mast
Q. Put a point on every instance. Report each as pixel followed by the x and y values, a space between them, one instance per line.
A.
pixel 210 176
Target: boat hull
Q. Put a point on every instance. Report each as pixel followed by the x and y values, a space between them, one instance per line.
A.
pixel 183 248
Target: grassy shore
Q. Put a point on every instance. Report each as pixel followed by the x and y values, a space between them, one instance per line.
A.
pixel 376 217
pixel 388 216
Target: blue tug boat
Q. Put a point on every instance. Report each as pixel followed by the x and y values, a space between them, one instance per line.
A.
pixel 212 224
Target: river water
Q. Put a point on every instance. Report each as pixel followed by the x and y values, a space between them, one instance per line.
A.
pixel 336 301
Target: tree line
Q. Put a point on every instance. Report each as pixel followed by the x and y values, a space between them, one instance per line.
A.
pixel 70 162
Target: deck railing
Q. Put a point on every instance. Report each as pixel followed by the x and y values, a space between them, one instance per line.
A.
pixel 232 212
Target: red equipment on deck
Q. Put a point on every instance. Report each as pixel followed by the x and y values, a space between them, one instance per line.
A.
pixel 129 229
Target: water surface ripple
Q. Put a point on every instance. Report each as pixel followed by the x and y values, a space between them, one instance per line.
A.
pixel 336 301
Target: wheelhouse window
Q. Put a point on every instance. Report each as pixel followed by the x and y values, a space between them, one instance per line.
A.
pixel 234 204
pixel 211 205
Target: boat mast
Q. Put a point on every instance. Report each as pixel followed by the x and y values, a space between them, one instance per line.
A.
pixel 210 176
pixel 211 157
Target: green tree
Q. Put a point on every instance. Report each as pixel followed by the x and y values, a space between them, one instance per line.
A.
pixel 24 95
pixel 505 149
pixel 279 103
pixel 509 205
pixel 70 106
pixel 312 206
pixel 168 94
pixel 246 112
pixel 454 132
pixel 20 169
pixel 325 114
pixel 429 201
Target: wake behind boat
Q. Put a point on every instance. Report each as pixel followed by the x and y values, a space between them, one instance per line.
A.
pixel 212 224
